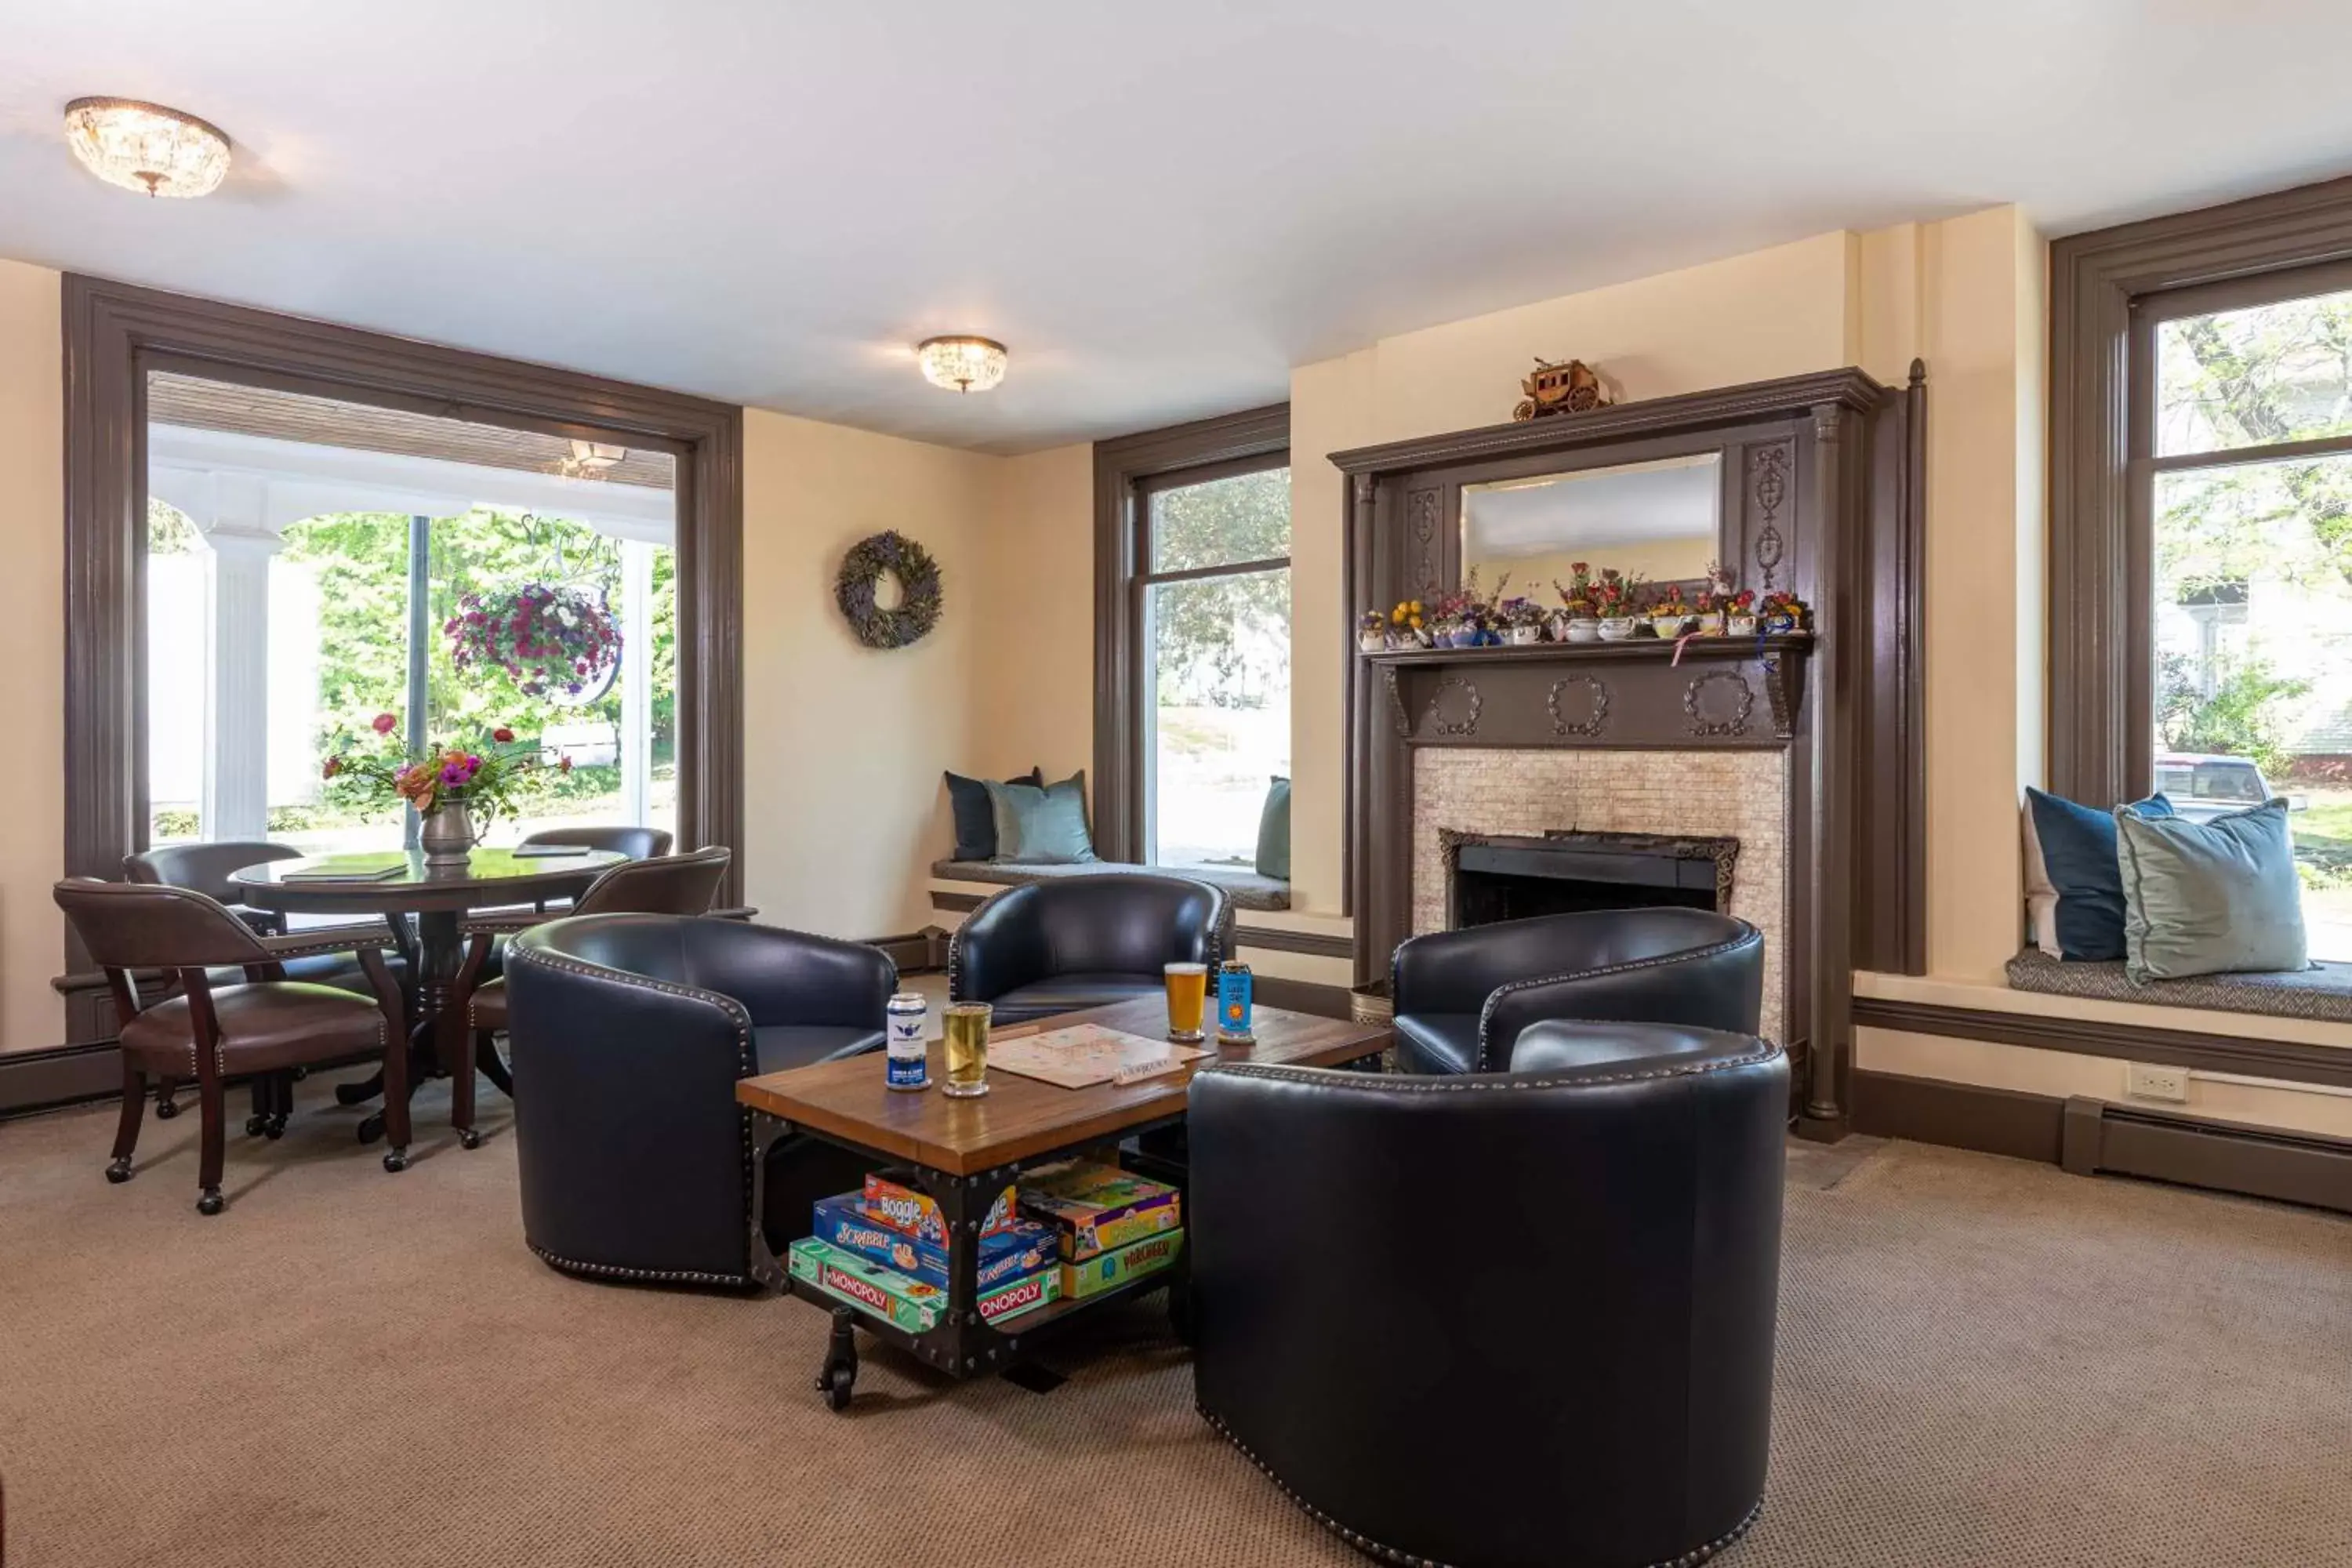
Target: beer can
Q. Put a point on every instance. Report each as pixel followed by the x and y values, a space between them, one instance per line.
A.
pixel 1234 1002
pixel 904 1016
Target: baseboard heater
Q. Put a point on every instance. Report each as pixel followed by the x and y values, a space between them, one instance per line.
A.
pixel 2294 1167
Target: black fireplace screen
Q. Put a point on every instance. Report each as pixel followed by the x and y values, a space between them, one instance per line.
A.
pixel 1494 878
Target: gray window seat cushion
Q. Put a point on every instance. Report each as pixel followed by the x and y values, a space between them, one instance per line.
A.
pixel 2322 991
pixel 1247 890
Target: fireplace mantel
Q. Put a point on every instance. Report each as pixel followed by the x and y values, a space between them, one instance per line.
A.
pixel 1715 691
pixel 1823 496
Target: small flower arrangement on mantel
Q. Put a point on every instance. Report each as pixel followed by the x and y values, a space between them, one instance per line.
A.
pixel 448 785
pixel 1670 617
pixel 1578 618
pixel 1783 613
pixel 1617 601
pixel 1739 617
pixel 1523 621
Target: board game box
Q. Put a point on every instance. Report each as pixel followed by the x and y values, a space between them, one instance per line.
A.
pixel 1107 1269
pixel 845 1221
pixel 887 1294
pixel 1098 1208
pixel 901 1208
pixel 907 1302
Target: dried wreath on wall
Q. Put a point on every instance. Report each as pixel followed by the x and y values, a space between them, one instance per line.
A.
pixel 917 610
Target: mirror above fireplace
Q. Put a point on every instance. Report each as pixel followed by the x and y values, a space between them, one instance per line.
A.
pixel 1660 520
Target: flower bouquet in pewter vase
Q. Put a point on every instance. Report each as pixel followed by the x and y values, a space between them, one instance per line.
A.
pixel 457 789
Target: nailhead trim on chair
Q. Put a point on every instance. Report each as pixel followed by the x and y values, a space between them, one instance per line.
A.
pixel 746 1063
pixel 1461 1083
pixel 1495 998
pixel 1690 1559
pixel 657 1276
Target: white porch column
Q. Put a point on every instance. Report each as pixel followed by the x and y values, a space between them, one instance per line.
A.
pixel 637 679
pixel 236 764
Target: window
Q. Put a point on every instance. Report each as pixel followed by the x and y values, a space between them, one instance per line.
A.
pixel 1191 638
pixel 2245 418
pixel 298 588
pixel 1217 630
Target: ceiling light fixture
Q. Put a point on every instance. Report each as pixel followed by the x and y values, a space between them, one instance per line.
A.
pixel 146 147
pixel 961 365
pixel 590 460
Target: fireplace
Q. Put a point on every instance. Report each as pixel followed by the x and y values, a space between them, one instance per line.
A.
pixel 1494 877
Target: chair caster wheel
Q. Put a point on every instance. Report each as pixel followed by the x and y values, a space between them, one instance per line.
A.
pixel 395 1161
pixel 254 1124
pixel 468 1139
pixel 212 1203
pixel 120 1171
pixel 353 1093
pixel 275 1129
pixel 838 1383
pixel 370 1128
pixel 166 1109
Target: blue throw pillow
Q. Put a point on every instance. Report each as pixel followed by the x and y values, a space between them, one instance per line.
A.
pixel 2211 898
pixel 2076 863
pixel 1042 826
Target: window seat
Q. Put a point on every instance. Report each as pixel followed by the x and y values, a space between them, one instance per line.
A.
pixel 1247 890
pixel 2322 991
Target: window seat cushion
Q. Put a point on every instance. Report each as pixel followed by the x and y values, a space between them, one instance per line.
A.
pixel 1247 890
pixel 2321 991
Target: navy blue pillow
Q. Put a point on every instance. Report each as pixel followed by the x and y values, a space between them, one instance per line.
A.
pixel 2078 855
pixel 975 815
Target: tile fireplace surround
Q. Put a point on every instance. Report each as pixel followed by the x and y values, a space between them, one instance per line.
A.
pixel 1734 793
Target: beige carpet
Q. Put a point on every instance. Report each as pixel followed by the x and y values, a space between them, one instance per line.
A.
pixel 1982 1362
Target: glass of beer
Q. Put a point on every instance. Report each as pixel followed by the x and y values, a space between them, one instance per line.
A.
pixel 1188 990
pixel 967 1048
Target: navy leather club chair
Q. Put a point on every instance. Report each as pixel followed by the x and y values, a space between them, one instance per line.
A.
pixel 1462 997
pixel 629 1033
pixel 1063 944
pixel 1586 1379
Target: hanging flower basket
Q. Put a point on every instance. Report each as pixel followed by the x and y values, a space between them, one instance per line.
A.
pixel 554 643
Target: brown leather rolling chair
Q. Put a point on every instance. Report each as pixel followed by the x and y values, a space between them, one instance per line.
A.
pixel 667 885
pixel 264 1024
pixel 637 843
pixel 205 868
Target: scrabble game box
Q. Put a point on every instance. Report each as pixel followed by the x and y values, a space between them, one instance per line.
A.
pixel 845 1222
pixel 907 1302
pixel 1098 1208
pixel 1106 1269
pixel 903 1208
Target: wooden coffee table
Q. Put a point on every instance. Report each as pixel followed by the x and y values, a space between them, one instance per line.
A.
pixel 963 1152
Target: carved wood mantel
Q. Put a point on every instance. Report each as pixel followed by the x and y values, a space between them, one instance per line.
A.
pixel 1823 497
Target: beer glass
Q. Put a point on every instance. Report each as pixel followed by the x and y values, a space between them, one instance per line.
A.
pixel 967 1048
pixel 1188 989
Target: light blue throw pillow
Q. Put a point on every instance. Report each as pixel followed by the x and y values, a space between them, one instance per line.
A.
pixel 1042 826
pixel 2210 897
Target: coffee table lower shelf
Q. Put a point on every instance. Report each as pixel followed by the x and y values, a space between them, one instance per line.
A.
pixel 962 1345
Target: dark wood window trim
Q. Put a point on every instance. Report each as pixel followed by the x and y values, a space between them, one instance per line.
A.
pixel 114 334
pixel 1126 472
pixel 2108 290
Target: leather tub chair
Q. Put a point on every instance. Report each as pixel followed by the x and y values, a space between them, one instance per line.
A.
pixel 262 1025
pixel 629 1033
pixel 1499 1330
pixel 1462 997
pixel 667 885
pixel 1059 945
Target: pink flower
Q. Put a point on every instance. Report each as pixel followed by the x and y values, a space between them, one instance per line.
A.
pixel 386 722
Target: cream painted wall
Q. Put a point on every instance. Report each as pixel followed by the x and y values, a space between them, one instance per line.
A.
pixel 32 641
pixel 1032 590
pixel 844 745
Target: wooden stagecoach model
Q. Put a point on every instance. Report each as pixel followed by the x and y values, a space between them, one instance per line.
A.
pixel 1571 386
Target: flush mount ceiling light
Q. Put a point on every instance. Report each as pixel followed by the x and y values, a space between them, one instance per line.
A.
pixel 590 459
pixel 146 147
pixel 962 364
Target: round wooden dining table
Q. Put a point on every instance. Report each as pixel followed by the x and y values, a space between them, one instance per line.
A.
pixel 401 887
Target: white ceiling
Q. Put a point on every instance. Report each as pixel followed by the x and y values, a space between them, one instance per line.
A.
pixel 1160 208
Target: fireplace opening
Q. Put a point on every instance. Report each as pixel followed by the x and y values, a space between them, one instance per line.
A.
pixel 1492 878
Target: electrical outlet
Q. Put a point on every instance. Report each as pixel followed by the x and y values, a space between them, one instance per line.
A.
pixel 2142 1081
